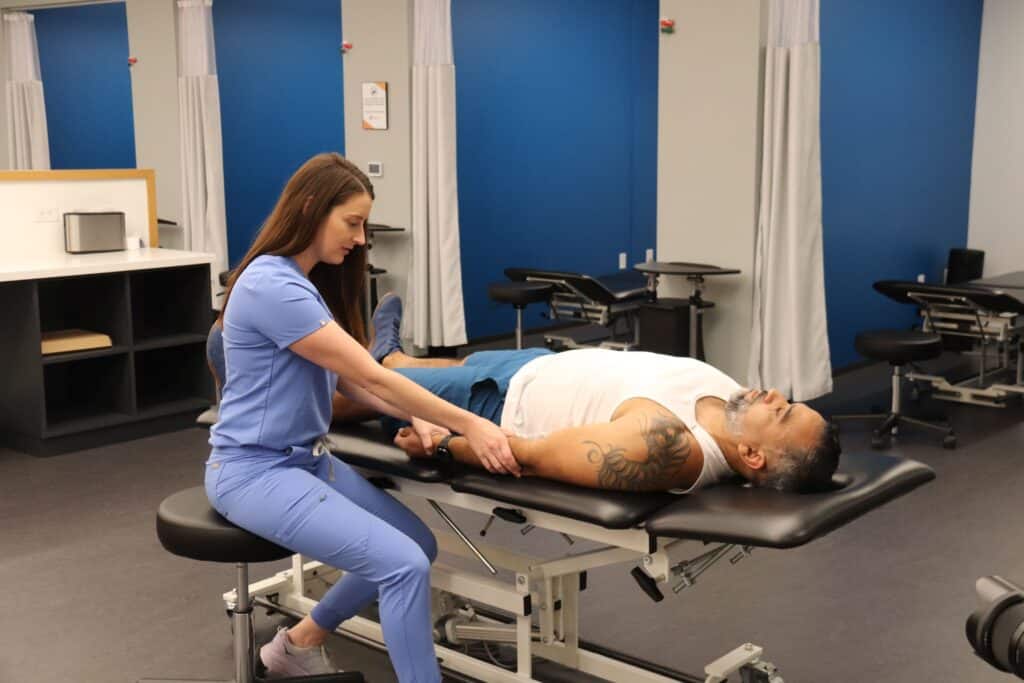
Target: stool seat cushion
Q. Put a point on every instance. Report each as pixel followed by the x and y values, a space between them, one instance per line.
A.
pixel 519 293
pixel 898 346
pixel 187 525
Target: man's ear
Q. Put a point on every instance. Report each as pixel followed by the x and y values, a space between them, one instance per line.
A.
pixel 753 458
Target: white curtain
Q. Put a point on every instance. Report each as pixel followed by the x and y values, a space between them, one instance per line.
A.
pixel 790 341
pixel 27 139
pixel 202 160
pixel 435 316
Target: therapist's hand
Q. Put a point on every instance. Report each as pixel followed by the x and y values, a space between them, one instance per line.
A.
pixel 490 445
pixel 425 431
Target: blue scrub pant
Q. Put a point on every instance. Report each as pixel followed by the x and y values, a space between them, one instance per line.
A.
pixel 322 508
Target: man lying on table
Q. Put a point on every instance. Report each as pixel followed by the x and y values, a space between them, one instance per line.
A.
pixel 612 420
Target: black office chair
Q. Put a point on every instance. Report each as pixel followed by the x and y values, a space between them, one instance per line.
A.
pixel 189 527
pixel 898 348
pixel 520 295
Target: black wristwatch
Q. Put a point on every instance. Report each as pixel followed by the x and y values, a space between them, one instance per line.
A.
pixel 442 452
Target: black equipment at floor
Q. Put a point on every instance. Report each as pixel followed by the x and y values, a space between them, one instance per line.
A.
pixel 659 323
pixel 665 327
pixel 996 629
pixel 898 348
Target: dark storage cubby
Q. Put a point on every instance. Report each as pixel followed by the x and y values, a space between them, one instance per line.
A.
pixel 170 377
pixel 97 303
pixel 170 302
pixel 87 394
pixel 154 376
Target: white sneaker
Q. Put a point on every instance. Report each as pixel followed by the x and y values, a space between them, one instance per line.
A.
pixel 283 658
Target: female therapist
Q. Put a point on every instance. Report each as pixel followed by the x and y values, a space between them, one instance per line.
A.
pixel 293 332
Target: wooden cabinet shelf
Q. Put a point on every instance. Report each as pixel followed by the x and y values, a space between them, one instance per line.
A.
pixel 156 368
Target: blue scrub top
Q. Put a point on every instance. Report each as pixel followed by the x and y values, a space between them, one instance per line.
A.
pixel 272 399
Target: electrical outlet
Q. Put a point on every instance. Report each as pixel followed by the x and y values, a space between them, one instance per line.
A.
pixel 649 255
pixel 622 260
pixel 50 214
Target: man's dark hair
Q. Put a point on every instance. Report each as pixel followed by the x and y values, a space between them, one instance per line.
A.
pixel 805 470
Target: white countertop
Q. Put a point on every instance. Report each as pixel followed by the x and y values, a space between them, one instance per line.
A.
pixel 67 265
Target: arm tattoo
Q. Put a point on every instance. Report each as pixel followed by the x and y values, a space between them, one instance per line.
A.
pixel 668 449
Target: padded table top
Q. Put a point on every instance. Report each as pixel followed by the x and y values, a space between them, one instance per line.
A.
pixel 1014 280
pixel 766 518
pixel 727 513
pixel 620 287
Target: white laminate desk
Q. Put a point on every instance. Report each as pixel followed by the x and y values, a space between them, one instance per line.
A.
pixel 155 305
pixel 14 268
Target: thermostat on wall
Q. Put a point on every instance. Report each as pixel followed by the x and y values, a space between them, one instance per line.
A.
pixel 375 168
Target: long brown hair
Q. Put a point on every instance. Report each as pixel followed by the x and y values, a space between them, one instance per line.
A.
pixel 325 181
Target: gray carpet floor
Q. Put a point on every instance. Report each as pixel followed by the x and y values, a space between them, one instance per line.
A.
pixel 92 597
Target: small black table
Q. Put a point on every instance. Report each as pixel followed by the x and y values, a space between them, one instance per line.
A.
pixel 372 272
pixel 695 273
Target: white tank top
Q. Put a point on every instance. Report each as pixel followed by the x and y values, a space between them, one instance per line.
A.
pixel 586 386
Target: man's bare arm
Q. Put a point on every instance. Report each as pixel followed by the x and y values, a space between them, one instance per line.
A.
pixel 648 450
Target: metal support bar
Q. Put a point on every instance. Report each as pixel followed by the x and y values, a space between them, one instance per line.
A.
pixel 243 627
pixel 465 539
pixel 519 327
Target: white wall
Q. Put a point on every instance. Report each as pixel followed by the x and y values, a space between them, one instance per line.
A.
pixel 996 221
pixel 151 39
pixel 4 163
pixel 708 150
pixel 380 32
pixel 31 225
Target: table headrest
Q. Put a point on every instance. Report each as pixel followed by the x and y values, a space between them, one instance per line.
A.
pixel 765 518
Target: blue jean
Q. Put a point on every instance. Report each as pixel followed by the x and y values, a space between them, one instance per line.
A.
pixel 478 385
pixel 322 508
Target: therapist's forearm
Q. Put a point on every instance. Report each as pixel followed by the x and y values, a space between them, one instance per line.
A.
pixel 366 398
pixel 397 390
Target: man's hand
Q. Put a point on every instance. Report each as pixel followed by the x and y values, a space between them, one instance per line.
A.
pixel 410 442
pixel 425 431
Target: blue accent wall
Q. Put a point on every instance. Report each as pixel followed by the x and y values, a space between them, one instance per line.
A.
pixel 83 57
pixel 280 74
pixel 898 87
pixel 557 108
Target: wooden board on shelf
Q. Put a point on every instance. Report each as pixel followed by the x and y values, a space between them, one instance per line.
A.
pixel 63 341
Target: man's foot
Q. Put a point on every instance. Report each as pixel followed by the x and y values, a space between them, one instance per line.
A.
pixel 387 324
pixel 282 658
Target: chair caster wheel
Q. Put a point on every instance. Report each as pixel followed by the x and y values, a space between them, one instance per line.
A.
pixel 879 442
pixel 949 442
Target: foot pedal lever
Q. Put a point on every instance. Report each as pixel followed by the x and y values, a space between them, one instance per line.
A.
pixel 647 584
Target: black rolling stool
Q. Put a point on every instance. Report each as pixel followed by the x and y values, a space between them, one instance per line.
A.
pixel 189 527
pixel 898 348
pixel 520 295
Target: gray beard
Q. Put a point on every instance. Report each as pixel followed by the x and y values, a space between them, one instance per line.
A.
pixel 735 408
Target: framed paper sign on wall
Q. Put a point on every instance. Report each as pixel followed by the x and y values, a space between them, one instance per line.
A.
pixel 375 105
